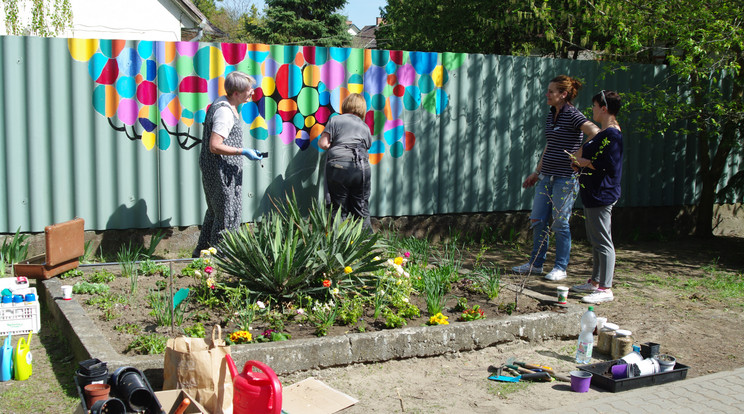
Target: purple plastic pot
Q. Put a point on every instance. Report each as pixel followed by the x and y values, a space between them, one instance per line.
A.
pixel 619 371
pixel 580 381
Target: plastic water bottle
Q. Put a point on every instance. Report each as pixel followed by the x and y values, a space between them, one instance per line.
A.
pixel 586 338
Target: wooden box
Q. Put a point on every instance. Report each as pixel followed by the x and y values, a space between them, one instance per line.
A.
pixel 65 243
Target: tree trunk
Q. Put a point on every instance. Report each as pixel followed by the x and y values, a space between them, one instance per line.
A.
pixel 712 170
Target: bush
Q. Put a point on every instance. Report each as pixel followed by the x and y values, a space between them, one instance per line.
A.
pixel 285 256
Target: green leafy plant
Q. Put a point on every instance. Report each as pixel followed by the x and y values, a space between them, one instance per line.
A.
pixel 110 314
pixel 89 288
pixel 323 316
pixel 128 328
pixel 350 310
pixel 14 249
pixel 71 274
pixel 285 256
pixel 489 280
pixel 195 331
pixel 154 241
pixel 274 318
pixel 419 249
pixel 436 285
pixel 243 309
pixel 271 335
pixel 161 284
pixel 461 305
pixel 89 252
pixel 508 308
pixel 127 258
pixel 160 305
pixel 148 268
pixel 472 314
pixel 380 298
pixel 107 299
pixel 101 276
pixel 148 344
pixel 392 320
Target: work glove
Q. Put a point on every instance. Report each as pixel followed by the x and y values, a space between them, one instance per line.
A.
pixel 252 154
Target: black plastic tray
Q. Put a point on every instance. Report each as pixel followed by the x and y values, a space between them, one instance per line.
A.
pixel 603 379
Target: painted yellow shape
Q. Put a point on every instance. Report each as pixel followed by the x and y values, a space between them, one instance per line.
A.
pixel 356 88
pixel 437 75
pixel 216 63
pixel 82 49
pixel 148 140
pixel 311 75
pixel 309 121
pixel 268 86
pixel 259 122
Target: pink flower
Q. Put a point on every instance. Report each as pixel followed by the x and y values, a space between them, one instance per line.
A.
pixel 407 254
pixel 208 270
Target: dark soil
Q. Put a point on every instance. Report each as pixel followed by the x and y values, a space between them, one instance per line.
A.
pixel 126 321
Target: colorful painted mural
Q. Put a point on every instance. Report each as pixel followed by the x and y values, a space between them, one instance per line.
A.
pixel 156 92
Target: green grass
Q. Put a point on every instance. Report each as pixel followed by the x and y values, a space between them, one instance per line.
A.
pixel 50 389
pixel 718 284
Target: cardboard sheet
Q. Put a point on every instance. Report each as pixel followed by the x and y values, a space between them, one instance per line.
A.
pixel 311 396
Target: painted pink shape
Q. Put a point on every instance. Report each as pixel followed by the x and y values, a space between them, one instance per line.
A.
pixel 127 111
pixel 309 53
pixel 393 124
pixel 406 75
pixel 147 93
pixel 322 114
pixel 288 133
pixel 234 52
pixel 333 74
pixel 187 48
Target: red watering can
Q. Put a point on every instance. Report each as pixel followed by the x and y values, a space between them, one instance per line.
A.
pixel 255 392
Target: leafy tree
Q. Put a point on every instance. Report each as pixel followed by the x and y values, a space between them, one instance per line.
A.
pixel 232 18
pixel 47 17
pixel 702 43
pixel 208 7
pixel 484 26
pixel 303 22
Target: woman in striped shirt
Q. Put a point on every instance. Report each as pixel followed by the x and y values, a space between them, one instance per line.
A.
pixel 556 182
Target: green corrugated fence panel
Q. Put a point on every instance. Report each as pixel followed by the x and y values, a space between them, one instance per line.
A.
pixel 109 130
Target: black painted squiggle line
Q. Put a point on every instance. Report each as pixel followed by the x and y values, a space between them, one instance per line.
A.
pixel 183 143
pixel 135 136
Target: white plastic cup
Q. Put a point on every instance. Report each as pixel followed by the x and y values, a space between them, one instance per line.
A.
pixel 66 292
pixel 562 294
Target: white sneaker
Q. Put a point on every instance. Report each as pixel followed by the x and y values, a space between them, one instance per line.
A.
pixel 601 295
pixel 556 274
pixel 527 268
pixel 587 287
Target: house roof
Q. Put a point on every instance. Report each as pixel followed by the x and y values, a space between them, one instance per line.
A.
pixel 200 20
pixel 365 39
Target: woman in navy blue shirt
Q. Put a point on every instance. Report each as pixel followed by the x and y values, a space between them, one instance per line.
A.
pixel 601 166
pixel 556 184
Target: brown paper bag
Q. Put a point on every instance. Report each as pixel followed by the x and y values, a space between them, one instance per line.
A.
pixel 198 366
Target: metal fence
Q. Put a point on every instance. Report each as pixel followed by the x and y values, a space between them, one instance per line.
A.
pixel 110 130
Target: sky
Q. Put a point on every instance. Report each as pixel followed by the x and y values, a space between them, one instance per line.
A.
pixel 360 12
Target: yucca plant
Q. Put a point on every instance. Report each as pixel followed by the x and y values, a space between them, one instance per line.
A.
pixel 285 255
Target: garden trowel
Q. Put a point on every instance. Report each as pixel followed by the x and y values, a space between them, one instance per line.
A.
pixel 180 296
